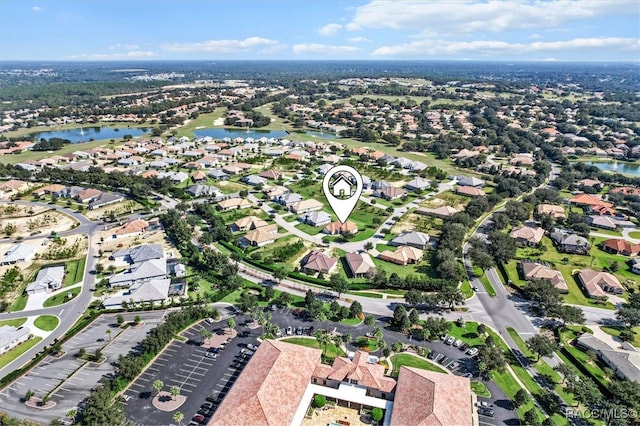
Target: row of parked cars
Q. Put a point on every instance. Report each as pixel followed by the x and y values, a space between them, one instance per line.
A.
pixel 452 341
pixel 298 331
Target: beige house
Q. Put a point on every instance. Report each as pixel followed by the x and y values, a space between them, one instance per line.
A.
pixel 305 206
pixel 557 212
pixel 599 284
pixel 248 223
pixel 233 203
pixel 538 271
pixel 261 236
pixel 403 255
pixel 527 235
pixel 360 264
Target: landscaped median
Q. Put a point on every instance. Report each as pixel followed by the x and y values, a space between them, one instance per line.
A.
pixel 62 297
pixel 411 360
pixel 46 322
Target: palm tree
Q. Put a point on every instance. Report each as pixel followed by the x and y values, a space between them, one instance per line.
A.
pixel 175 391
pixel 231 323
pixel 178 416
pixel 108 333
pixel 158 385
pixel 204 333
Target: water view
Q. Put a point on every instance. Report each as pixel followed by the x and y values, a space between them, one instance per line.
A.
pixel 618 167
pixel 86 134
pixel 221 133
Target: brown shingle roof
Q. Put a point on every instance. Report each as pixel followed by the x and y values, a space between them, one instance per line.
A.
pixel 276 368
pixel 427 398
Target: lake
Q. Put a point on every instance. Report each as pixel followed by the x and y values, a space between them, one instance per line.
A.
pixel 85 134
pixel 618 167
pixel 221 133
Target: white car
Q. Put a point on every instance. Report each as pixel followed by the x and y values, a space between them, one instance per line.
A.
pixel 289 331
pixel 457 343
pixel 450 340
pixel 211 355
pixel 472 351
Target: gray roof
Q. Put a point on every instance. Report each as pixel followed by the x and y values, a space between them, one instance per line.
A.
pixel 105 198
pixel 254 180
pixel 470 181
pixel 414 238
pixel 9 334
pixel 315 217
pixel 48 278
pixel 569 239
pixel 140 253
pixel 149 291
pixel 143 271
pixel 418 183
pixel 199 190
pixel 625 362
pixel 217 174
pixel 18 253
pixel 290 198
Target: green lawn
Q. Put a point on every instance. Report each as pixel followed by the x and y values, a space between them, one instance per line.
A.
pixel 308 229
pixel 615 331
pixel 14 353
pixel 390 268
pixel 521 344
pixel 46 322
pixel 20 303
pixel 466 289
pixel 480 389
pixel 585 360
pixel 17 322
pixel 373 295
pixel 61 298
pixel 478 272
pixel 74 271
pixel 407 360
pixel 351 321
pixel 607 232
pixel 468 333
pixel 634 234
pixel 331 351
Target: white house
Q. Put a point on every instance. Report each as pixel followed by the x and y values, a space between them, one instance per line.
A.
pixel 48 279
pixel 10 337
pixel 18 253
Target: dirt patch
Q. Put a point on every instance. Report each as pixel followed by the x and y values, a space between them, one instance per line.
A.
pixel 33 220
pixel 116 209
pixel 163 401
pixel 216 340
pixel 109 244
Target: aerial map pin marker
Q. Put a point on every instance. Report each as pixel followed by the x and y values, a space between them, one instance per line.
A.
pixel 342 185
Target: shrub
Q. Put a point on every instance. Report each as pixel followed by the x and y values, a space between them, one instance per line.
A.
pixel 376 414
pixel 319 401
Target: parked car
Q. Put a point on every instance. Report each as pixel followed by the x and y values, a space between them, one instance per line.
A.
pixel 486 411
pixel 439 357
pixel 213 398
pixel 252 347
pixel 208 405
pixel 198 418
pixel 463 347
pixel 209 320
pixel 205 412
pixel 450 340
pixel 453 365
pixel 444 360
pixel 457 343
pixel 211 355
pixel 472 351
pixel 432 355
pixel 289 331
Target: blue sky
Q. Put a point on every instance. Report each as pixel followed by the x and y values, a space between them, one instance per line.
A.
pixel 554 30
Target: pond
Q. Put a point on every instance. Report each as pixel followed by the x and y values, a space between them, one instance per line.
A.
pixel 221 133
pixel 618 167
pixel 86 134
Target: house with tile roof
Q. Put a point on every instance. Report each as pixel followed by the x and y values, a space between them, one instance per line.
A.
pixel 316 262
pixel 337 227
pixel 389 193
pixel 469 191
pixel 530 270
pixel 360 264
pixel 599 284
pixel 620 246
pixel 261 236
pixel 131 228
pixel 47 280
pixel 527 235
pixel 233 203
pixel 305 206
pixel 403 255
pixel 248 223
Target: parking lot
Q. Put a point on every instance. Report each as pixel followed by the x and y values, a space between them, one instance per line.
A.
pixel 72 383
pixel 184 364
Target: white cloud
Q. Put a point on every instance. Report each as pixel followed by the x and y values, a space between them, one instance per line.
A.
pixel 323 49
pixel 329 29
pixel 488 48
pixel 119 46
pixel 223 46
pixel 358 39
pixel 37 9
pixel 492 15
pixel 133 54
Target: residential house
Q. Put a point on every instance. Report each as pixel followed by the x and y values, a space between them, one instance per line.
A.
pixel 10 337
pixel 403 255
pixel 337 227
pixel 152 291
pixel 289 198
pixel 417 184
pixel 248 223
pixel 48 190
pixel 254 180
pixel 624 361
pixel 527 235
pixel 47 280
pixel 218 174
pixel 440 212
pixel 530 270
pixel 131 228
pixel 203 191
pixel 233 203
pixel 360 265
pixel 318 262
pixel 389 193
pixel 570 243
pixel 13 187
pixel 316 218
pixel 18 253
pixel 588 200
pixel 598 284
pixel 523 159
pixel 557 212
pixel 604 222
pixel 415 239
pixel 104 199
pixel 620 246
pixel 470 181
pixel 271 174
pixel 138 254
pixel 469 191
pixel 306 206
pixel 140 272
pixel 198 176
pixel 261 236
pixel 87 195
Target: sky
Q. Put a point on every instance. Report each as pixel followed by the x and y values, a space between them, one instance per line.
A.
pixel 501 30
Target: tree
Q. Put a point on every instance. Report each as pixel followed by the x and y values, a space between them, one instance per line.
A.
pixel 280 274
pixel 541 345
pixel 10 229
pixel 99 268
pixel 175 391
pixel 338 284
pixel 629 315
pixel 544 294
pixel 108 332
pixel 397 346
pixel 158 385
pixel 369 321
pixel 319 401
pixel 29 395
pixel 568 314
pixel 355 309
pixel 231 323
pixel 376 414
pixel 120 319
pixel 81 352
pixel 414 297
pixel 503 247
pixel 521 397
pixel 178 416
pixel 565 371
pixel 531 417
pixel 205 334
pixel 137 320
pixel 492 358
pixel 481 329
pixel 400 320
pixel 414 317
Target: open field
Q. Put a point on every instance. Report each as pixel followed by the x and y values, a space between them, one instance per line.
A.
pixel 44 223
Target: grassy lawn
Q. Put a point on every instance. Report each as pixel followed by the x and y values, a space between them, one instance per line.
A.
pixel 390 268
pixel 407 360
pixel 14 353
pixel 521 344
pixel 61 298
pixel 480 389
pixel 331 351
pixel 17 322
pixel 607 232
pixel 367 294
pixel 615 331
pixel 308 229
pixel 567 264
pixel 46 322
pixel 586 360
pixel 75 271
pixel 634 234
pixel 468 333
pixel 370 345
pixel 351 321
pixel 466 289
pixel 20 303
pixel 478 272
